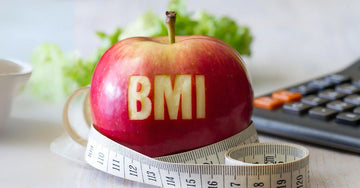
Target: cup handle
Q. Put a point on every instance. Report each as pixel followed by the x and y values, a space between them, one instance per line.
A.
pixel 86 112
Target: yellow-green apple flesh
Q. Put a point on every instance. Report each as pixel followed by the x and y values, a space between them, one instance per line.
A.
pixel 159 98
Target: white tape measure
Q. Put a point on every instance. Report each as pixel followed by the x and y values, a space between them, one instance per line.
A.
pixel 248 165
pixel 238 161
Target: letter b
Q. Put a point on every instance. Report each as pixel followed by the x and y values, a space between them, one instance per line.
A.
pixel 142 96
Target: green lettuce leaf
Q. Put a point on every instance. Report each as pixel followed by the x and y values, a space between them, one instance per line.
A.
pixel 47 80
pixel 56 75
pixel 147 25
pixel 81 70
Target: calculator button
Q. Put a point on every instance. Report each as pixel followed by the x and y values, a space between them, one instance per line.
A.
pixel 357 110
pixel 331 94
pixel 287 96
pixel 314 100
pixel 268 103
pixel 304 90
pixel 347 89
pixel 338 78
pixel 320 84
pixel 356 83
pixel 348 118
pixel 353 99
pixel 340 106
pixel 322 113
pixel 296 108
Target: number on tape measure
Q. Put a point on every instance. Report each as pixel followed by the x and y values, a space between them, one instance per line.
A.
pixel 116 164
pixel 249 165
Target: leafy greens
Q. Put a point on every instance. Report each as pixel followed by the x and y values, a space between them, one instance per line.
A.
pixel 56 75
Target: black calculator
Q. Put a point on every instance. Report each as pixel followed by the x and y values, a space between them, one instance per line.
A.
pixel 324 111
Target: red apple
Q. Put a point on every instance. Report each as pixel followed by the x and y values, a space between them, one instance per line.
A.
pixel 161 98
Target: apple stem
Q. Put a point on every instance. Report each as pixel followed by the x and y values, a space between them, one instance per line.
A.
pixel 170 23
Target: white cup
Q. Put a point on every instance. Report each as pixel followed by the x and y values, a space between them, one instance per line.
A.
pixel 13 75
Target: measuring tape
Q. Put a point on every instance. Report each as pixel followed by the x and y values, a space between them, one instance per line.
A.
pixel 238 161
pixel 249 164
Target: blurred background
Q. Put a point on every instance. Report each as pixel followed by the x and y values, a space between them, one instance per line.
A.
pixel 293 41
pixel 297 37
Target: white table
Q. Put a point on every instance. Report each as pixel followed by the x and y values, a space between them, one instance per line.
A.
pixel 26 160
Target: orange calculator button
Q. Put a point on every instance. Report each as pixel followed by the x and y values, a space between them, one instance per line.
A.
pixel 287 96
pixel 268 103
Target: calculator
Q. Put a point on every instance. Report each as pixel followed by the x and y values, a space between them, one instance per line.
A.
pixel 323 111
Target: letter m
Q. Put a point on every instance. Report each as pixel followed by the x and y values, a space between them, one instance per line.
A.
pixel 163 91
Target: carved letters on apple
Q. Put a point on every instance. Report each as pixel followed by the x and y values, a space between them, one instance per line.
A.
pixel 139 89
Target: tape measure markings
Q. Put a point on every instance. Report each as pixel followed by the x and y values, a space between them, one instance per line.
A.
pixel 175 170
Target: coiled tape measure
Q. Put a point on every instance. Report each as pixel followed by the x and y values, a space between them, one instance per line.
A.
pixel 238 161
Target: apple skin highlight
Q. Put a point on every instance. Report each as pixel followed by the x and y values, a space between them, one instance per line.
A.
pixel 228 93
